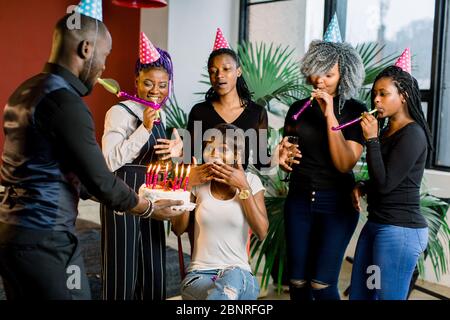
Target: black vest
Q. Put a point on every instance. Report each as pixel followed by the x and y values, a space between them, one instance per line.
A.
pixel 40 193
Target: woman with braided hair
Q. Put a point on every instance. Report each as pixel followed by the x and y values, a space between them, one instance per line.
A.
pixel 396 233
pixel 319 216
pixel 134 248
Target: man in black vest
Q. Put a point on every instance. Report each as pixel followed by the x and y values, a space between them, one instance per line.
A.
pixel 50 159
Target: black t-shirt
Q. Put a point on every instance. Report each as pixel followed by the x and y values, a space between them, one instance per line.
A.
pixel 396 167
pixel 254 117
pixel 316 170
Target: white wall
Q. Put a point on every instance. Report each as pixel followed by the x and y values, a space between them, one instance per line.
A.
pixel 191 34
pixel 187 28
pixel 154 23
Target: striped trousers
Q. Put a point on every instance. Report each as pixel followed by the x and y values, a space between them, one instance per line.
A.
pixel 133 250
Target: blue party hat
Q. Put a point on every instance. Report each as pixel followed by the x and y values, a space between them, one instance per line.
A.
pixel 333 33
pixel 91 8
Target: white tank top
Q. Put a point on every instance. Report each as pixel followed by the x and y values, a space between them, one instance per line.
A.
pixel 221 230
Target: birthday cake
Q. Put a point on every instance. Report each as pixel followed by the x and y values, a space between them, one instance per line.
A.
pixel 156 188
pixel 159 193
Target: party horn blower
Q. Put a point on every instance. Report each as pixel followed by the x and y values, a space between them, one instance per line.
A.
pixel 306 105
pixel 113 86
pixel 342 126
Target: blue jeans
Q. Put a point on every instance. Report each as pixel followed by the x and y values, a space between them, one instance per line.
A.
pixel 392 252
pixel 226 284
pixel 319 226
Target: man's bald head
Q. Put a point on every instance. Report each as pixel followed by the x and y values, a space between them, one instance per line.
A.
pixel 81 47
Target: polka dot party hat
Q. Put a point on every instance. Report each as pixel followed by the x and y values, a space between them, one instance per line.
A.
pixel 147 52
pixel 404 61
pixel 333 33
pixel 91 8
pixel 220 42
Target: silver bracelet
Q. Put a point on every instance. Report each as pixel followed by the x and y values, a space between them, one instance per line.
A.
pixel 148 212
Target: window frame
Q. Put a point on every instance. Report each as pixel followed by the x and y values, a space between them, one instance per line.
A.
pixel 431 96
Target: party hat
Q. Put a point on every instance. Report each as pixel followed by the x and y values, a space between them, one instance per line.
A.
pixel 220 42
pixel 404 61
pixel 91 8
pixel 147 51
pixel 333 33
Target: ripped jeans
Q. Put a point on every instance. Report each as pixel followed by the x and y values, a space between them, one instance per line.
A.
pixel 231 283
pixel 319 226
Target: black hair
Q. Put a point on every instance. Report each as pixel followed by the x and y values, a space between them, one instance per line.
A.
pixel 241 86
pixel 407 86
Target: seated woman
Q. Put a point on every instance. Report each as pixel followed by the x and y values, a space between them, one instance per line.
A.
pixel 226 207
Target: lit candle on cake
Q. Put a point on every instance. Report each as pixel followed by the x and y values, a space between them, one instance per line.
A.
pixel 180 180
pixel 165 175
pixel 174 187
pixel 186 180
pixel 148 176
pixel 155 178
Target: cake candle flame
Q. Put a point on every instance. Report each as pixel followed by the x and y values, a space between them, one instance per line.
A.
pixel 165 175
pixel 180 180
pixel 174 187
pixel 186 180
pixel 148 176
pixel 155 178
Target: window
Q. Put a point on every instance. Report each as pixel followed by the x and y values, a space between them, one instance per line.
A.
pixel 421 25
pixel 387 22
pixel 282 22
pixel 442 113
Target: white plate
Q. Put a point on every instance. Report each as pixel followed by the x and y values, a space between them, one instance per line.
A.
pixel 185 207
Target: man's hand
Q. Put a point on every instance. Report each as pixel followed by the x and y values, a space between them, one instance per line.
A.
pixel 162 209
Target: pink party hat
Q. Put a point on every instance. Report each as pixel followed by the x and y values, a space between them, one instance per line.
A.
pixel 404 61
pixel 220 42
pixel 147 51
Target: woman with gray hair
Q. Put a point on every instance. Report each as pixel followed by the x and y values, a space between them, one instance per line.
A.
pixel 319 216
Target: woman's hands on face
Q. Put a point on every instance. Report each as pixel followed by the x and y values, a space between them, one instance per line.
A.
pixel 234 177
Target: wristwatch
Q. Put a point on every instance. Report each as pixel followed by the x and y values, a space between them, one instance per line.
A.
pixel 244 194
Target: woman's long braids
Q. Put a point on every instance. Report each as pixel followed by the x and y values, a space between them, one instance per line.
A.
pixel 408 87
pixel 241 86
